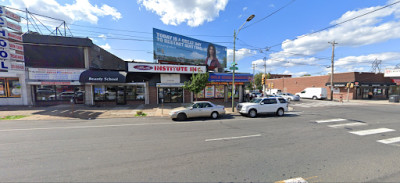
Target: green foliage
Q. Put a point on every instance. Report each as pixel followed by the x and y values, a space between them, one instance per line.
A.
pixel 305 75
pixel 257 80
pixel 12 117
pixel 197 83
pixel 140 113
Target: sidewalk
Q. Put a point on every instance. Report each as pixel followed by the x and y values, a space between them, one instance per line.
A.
pixel 91 112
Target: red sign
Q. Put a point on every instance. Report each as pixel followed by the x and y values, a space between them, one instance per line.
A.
pixel 55 83
pixel 397 81
pixel 14 26
pixel 14 36
pixel 16 47
pixel 17 57
pixel 143 67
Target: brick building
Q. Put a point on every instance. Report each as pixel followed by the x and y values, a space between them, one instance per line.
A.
pixel 364 84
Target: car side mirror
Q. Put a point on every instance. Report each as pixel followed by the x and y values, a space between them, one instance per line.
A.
pixel 261 103
pixel 191 108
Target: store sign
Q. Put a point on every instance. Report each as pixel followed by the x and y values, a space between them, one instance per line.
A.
pixel 10 25
pixel 178 48
pixel 5 65
pixel 14 46
pixel 9 35
pixel 392 73
pixel 18 66
pixel 222 77
pixel 54 74
pixel 165 68
pixel 9 14
pixel 7 55
pixel 209 91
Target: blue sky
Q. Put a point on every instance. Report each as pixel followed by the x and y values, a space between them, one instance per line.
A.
pixel 124 28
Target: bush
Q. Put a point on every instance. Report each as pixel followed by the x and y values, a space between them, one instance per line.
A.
pixel 140 113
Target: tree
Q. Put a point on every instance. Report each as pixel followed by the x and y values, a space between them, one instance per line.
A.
pixel 197 83
pixel 305 75
pixel 257 80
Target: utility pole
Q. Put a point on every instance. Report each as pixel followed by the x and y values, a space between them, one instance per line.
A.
pixel 265 76
pixel 254 66
pixel 332 66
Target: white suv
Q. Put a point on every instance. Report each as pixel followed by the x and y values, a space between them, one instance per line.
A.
pixel 275 105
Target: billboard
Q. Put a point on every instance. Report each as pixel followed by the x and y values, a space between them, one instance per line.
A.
pixel 181 49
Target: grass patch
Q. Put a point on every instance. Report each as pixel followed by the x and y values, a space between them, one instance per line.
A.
pixel 12 117
pixel 140 113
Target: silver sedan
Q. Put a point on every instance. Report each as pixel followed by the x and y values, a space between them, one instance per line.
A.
pixel 198 109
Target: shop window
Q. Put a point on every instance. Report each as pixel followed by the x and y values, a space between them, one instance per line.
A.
pixel 3 90
pixel 219 91
pixel 134 93
pixel 111 93
pixel 99 93
pixel 378 91
pixel 65 92
pixel 45 93
pixel 10 87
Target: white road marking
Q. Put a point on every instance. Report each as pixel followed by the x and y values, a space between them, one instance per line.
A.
pixel 390 141
pixel 372 131
pixel 231 138
pixel 346 125
pixel 330 120
pixel 294 180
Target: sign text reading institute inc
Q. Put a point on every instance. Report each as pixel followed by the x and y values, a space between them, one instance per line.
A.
pixel 165 68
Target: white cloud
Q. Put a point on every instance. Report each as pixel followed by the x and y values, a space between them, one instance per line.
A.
pixel 194 13
pixel 366 30
pixel 377 27
pixel 106 47
pixel 240 54
pixel 244 8
pixel 102 36
pixel 196 55
pixel 79 10
pixel 272 6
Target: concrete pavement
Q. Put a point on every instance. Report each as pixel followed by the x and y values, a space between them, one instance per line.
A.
pixel 92 112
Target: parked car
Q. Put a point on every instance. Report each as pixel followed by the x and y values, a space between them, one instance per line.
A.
pixel 198 109
pixel 289 97
pixel 313 93
pixel 277 105
pixel 256 94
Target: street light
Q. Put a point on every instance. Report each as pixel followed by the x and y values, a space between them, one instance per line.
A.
pixel 234 62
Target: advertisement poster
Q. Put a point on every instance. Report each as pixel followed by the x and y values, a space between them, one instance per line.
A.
pixel 209 91
pixel 177 48
pixel 219 91
pixel 200 94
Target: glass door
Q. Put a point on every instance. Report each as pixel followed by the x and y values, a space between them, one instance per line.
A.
pixel 121 95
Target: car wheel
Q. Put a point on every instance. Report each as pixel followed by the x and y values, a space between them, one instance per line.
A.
pixel 289 99
pixel 253 113
pixel 314 97
pixel 214 115
pixel 280 112
pixel 181 116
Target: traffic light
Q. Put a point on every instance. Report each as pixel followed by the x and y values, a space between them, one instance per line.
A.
pixel 272 85
pixel 347 85
pixel 263 79
pixel 352 85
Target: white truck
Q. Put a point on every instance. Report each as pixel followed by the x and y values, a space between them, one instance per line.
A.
pixel 275 105
pixel 273 91
pixel 313 93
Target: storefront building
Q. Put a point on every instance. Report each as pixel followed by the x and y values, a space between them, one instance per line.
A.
pixel 165 81
pixel 219 90
pixel 394 75
pixel 350 85
pixel 13 90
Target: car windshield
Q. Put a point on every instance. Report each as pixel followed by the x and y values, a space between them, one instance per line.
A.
pixel 256 100
pixel 289 94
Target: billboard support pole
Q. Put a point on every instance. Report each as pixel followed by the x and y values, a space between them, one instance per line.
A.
pixel 234 62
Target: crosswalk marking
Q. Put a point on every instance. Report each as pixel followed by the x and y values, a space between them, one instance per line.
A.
pixel 346 125
pixel 372 131
pixel 390 141
pixel 330 120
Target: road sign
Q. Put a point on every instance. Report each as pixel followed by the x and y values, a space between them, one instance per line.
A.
pixel 233 68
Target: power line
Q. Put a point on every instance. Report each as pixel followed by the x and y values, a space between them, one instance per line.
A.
pixel 262 19
pixel 334 25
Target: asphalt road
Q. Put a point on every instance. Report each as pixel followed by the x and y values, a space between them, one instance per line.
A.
pixel 320 141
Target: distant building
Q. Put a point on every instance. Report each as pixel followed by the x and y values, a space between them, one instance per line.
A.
pixel 363 84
